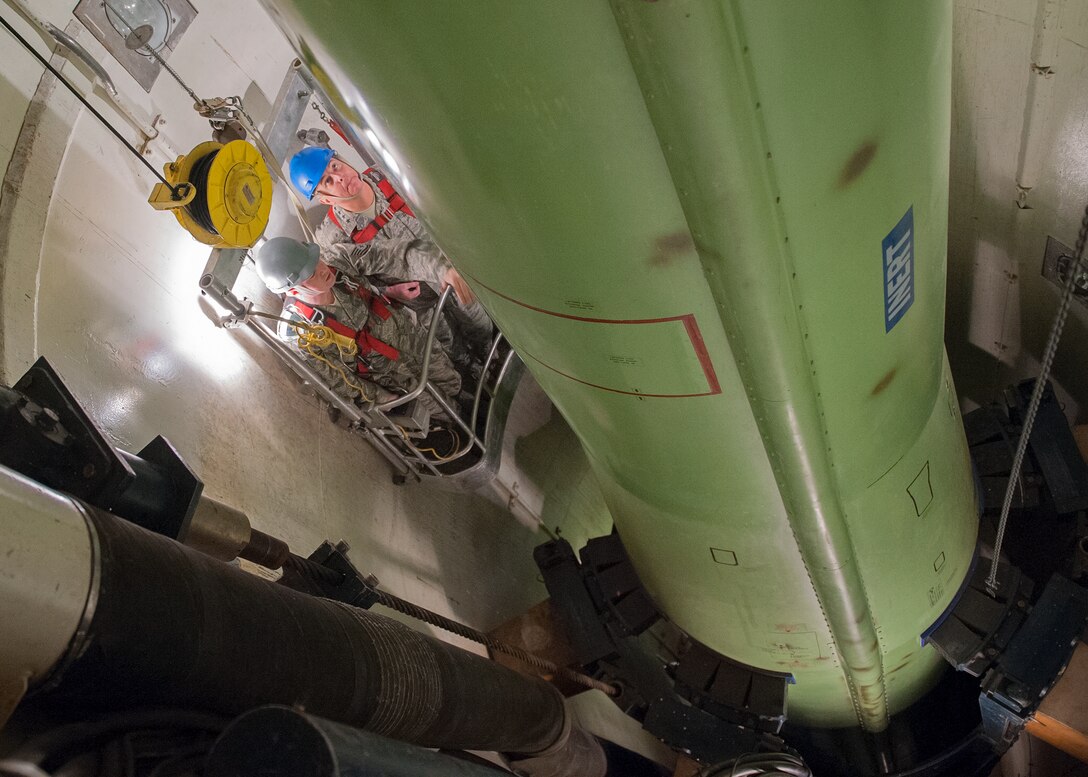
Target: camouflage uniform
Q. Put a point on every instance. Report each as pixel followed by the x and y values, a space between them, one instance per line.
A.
pixel 403 251
pixel 400 330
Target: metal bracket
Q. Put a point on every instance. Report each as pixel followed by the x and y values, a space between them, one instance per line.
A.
pixel 1057 259
pixel 343 583
pixel 49 437
pixel 1035 658
pixel 710 706
pixel 980 626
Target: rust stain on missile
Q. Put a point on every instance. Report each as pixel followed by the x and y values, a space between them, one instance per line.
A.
pixel 885 381
pixel 858 163
pixel 669 248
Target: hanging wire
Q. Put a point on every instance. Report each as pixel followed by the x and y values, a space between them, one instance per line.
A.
pixel 177 191
pixel 1037 396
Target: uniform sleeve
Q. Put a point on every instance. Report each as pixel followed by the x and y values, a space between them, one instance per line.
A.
pixel 416 259
pixel 400 258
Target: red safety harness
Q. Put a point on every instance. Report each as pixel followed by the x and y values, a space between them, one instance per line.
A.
pixel 367 342
pixel 396 205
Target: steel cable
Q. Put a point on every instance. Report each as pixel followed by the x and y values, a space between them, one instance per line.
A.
pixel 319 572
pixel 198 208
pixel 460 629
pixel 246 120
pixel 1037 396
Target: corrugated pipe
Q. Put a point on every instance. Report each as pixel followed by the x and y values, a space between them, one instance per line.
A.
pixel 164 624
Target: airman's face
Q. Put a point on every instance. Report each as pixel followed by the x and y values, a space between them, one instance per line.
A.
pixel 321 281
pixel 339 180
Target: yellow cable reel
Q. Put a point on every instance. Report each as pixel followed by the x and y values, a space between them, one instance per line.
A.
pixel 228 196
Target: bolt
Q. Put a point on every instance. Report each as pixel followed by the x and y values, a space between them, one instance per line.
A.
pixel 1018 693
pixel 47 419
pixel 89 470
pixel 1021 604
pixel 991 652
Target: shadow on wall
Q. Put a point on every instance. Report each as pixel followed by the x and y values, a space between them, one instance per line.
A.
pixel 14 98
pixel 550 463
pixel 999 307
pixel 573 505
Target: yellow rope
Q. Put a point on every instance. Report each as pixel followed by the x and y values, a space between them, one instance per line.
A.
pixel 438 456
pixel 312 338
pixel 318 336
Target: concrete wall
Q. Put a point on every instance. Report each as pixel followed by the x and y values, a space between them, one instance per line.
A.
pixel 1014 126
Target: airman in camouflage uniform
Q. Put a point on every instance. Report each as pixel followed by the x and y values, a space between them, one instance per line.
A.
pixel 390 341
pixel 398 250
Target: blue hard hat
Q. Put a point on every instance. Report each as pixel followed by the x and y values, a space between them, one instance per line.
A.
pixel 307 167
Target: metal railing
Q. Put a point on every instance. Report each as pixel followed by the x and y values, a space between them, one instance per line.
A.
pixel 376 421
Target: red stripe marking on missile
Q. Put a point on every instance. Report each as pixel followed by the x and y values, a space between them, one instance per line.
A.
pixel 691 327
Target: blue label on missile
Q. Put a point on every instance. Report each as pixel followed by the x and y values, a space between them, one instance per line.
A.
pixel 898 250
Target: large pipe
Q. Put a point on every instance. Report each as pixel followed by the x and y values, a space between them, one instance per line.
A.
pixel 122 616
pixel 47 583
pixel 282 742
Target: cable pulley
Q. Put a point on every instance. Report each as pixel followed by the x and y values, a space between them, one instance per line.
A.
pixel 229 194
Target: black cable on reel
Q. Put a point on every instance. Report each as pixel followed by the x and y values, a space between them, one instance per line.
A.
pixel 198 208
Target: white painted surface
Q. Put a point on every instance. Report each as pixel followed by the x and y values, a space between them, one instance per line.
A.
pixel 999 306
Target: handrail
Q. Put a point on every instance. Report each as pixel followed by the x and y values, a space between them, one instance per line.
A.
pixel 146 127
pixel 66 40
pixel 226 299
pixel 421 383
pixel 483 378
pixel 471 426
